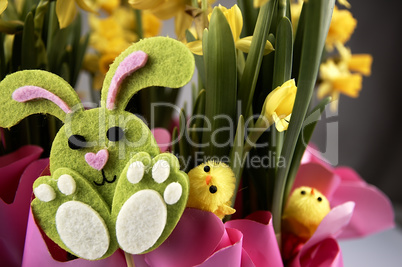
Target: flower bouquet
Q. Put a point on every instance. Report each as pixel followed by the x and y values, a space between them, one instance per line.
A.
pixel 232 181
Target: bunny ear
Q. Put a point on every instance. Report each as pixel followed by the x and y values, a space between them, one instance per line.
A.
pixel 35 91
pixel 157 61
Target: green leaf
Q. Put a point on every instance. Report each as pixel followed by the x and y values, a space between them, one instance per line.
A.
pixel 249 16
pixel 184 146
pixel 199 60
pixel 198 114
pixel 304 138
pixel 221 84
pixel 255 55
pixel 28 58
pixel 236 156
pixel 283 53
pixel 297 46
pixel 318 17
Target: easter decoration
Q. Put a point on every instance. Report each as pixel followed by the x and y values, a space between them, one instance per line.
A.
pixel 304 211
pixel 212 185
pixel 109 185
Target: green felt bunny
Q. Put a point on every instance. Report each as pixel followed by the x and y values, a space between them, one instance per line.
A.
pixel 109 186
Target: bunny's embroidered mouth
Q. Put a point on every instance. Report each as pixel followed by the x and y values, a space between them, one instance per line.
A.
pixel 105 180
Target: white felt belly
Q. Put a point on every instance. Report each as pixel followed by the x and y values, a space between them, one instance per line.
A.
pixel 141 221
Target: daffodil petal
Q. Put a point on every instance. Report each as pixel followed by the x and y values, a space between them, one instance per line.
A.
pixel 66 11
pixel 235 20
pixel 281 124
pixel 345 3
pixel 361 63
pixel 182 22
pixel 245 43
pixel 3 5
pixel 195 47
pixel 144 4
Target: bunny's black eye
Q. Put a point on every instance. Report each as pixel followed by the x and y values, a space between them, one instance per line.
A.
pixel 77 141
pixel 115 134
pixel 207 168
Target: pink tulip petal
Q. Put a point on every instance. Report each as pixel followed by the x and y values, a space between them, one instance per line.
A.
pixel 12 166
pixel 349 175
pixel 163 138
pixel 373 211
pixel 194 239
pixel 323 241
pixel 325 254
pixel 230 255
pixel 259 238
pixel 37 254
pixel 317 176
pixel 14 216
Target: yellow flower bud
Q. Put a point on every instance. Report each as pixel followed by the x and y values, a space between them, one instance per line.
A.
pixel 279 105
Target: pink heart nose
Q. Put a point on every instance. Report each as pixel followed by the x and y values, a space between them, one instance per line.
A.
pixel 98 160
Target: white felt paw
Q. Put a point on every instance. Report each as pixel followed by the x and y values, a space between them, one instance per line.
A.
pixel 142 218
pixel 135 172
pixel 44 192
pixel 160 171
pixel 66 184
pixel 82 230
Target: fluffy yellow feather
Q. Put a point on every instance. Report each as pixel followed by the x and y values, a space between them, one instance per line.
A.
pixel 211 187
pixel 305 210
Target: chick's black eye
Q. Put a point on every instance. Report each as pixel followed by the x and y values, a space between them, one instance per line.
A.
pixel 213 189
pixel 303 192
pixel 115 134
pixel 77 141
pixel 207 168
pixel 319 199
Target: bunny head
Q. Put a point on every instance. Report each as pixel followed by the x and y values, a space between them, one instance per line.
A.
pixel 97 148
pixel 98 142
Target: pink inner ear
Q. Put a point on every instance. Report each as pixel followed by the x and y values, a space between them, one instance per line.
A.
pixel 130 64
pixel 29 92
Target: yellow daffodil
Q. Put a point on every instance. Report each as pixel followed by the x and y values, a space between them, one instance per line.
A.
pixel 166 9
pixel 109 5
pixel 235 20
pixel 279 105
pixel 360 63
pixel 66 10
pixel 341 28
pixel 3 5
pixel 111 35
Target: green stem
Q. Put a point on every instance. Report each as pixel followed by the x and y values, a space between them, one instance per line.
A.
pixel 138 20
pixel 260 127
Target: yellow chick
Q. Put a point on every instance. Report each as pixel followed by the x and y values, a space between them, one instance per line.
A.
pixel 305 210
pixel 211 187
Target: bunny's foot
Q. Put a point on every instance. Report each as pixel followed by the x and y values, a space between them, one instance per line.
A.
pixel 150 197
pixel 74 215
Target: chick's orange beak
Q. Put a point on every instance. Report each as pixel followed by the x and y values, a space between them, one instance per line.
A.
pixel 312 191
pixel 208 179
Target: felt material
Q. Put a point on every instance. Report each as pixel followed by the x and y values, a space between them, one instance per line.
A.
pixel 131 63
pixel 141 221
pixel 13 111
pixel 82 230
pixel 202 239
pixel 99 167
pixel 98 160
pixel 160 171
pixel 125 191
pixel 135 172
pixel 36 252
pixel 66 184
pixel 172 193
pixel 44 193
pixel 28 93
pixel 170 64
